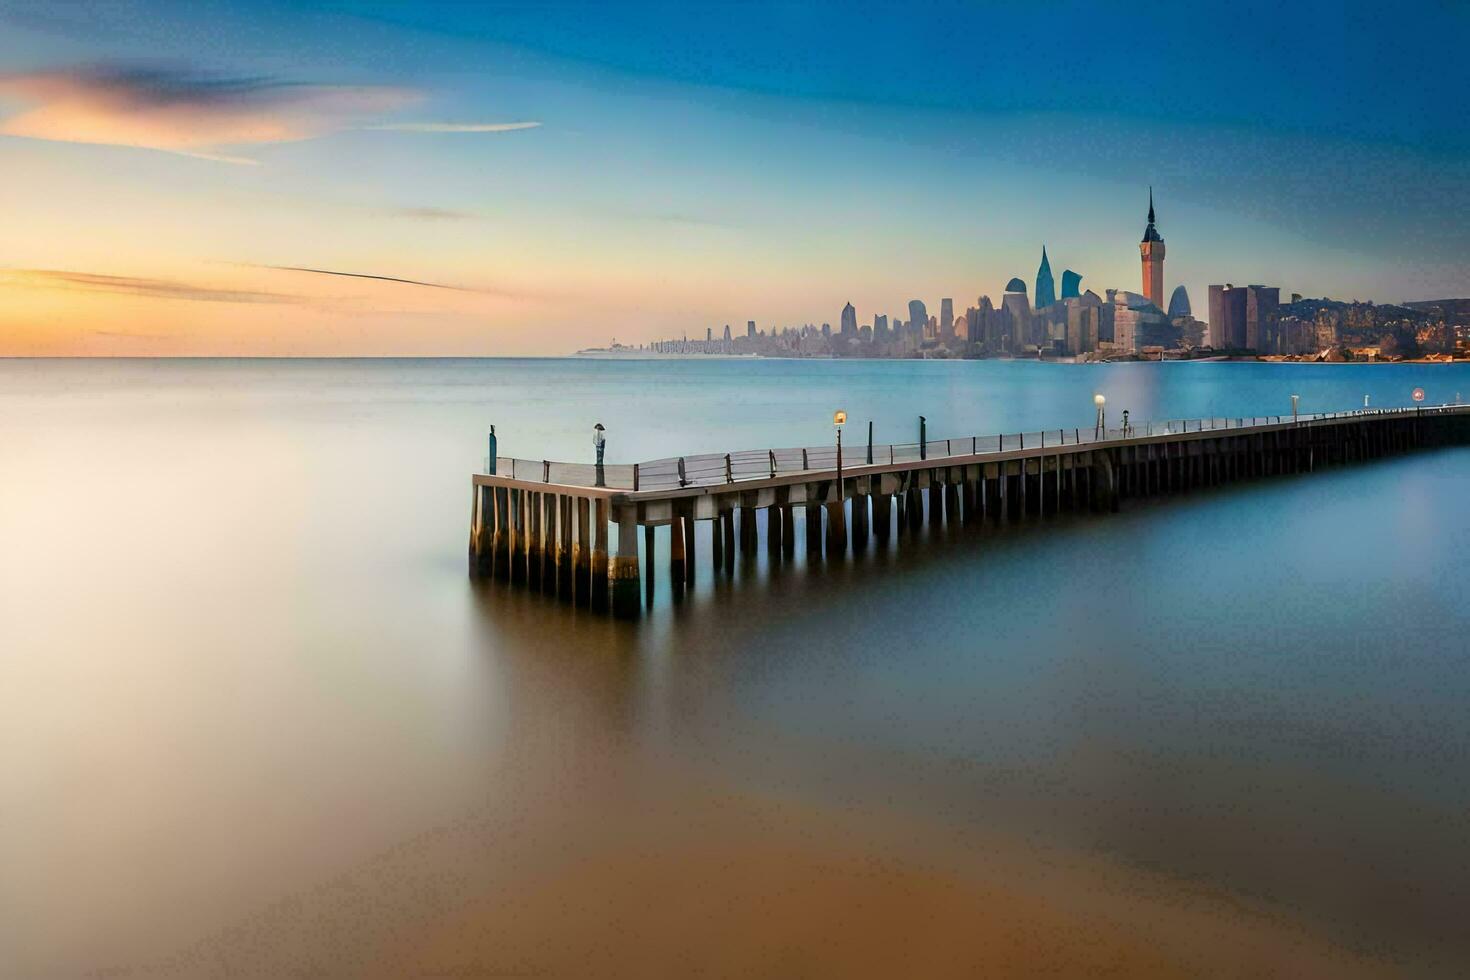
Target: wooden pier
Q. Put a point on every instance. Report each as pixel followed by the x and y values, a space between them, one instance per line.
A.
pixel 544 525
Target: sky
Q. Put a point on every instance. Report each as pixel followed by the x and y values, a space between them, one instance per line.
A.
pixel 223 177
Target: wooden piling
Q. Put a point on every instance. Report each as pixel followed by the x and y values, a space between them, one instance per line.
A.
pixel 859 522
pixel 676 553
pixel 882 517
pixel 749 537
pixel 648 562
pixel 582 555
pixel 623 569
pixel 564 548
pixel 533 541
pixel 548 543
pixel 599 570
pixel 517 537
pixel 727 531
pixel 836 529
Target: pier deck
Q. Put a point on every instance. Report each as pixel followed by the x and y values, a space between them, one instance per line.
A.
pixel 545 524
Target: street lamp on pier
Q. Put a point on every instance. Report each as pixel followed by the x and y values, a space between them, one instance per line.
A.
pixel 1294 400
pixel 1099 431
pixel 839 418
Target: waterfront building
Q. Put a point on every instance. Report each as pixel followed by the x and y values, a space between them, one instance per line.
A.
pixel 1084 318
pixel 849 321
pixel 1138 322
pixel 1227 317
pixel 1297 335
pixel 1071 285
pixel 1262 315
pixel 1151 250
pixel 1245 318
pixel 1045 286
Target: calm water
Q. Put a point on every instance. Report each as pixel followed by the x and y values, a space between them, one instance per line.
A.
pixel 255 719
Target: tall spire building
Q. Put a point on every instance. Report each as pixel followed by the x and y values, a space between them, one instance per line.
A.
pixel 1046 287
pixel 1151 249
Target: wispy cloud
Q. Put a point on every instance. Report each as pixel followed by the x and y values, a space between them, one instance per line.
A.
pixel 447 127
pixel 397 280
pixel 435 214
pixel 186 112
pixel 133 286
pixel 366 275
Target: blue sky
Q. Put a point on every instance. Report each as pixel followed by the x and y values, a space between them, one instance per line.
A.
pixel 693 165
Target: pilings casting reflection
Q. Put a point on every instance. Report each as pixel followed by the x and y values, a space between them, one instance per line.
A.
pixel 554 536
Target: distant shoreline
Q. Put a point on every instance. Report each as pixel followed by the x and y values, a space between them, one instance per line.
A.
pixel 1216 359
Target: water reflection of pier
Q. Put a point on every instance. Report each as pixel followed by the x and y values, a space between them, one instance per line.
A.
pixel 545 525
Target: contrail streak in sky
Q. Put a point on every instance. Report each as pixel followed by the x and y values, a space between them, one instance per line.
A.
pixel 364 275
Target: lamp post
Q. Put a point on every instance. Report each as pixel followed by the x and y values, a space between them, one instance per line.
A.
pixel 838 418
pixel 599 442
pixel 1099 431
pixel 1294 400
pixel 1125 423
pixel 1365 401
pixel 923 439
pixel 490 464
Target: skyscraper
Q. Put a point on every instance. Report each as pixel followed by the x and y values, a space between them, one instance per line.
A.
pixel 918 316
pixel 750 329
pixel 1245 317
pixel 1262 317
pixel 1071 285
pixel 849 321
pixel 946 319
pixel 1227 317
pixel 1151 249
pixel 1179 302
pixel 1046 287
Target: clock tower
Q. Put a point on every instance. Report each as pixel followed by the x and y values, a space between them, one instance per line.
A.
pixel 1151 249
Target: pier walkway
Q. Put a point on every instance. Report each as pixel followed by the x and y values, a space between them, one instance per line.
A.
pixel 545 525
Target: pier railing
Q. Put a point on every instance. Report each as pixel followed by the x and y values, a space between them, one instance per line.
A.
pixel 713 469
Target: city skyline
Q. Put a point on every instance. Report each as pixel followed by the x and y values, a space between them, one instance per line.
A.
pixel 208 179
